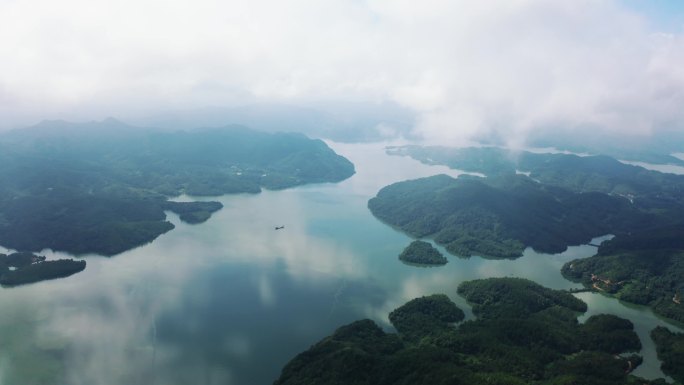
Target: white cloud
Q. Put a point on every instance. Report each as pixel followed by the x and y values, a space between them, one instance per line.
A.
pixel 467 68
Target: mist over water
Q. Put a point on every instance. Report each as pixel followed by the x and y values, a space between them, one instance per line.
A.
pixel 664 168
pixel 231 300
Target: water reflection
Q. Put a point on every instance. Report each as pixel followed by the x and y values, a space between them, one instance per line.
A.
pixel 541 268
pixel 230 301
pixel 644 321
pixel 375 170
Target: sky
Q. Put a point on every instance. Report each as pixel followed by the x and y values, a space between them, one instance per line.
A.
pixel 500 68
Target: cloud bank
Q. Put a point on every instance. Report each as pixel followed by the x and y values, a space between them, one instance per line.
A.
pixel 500 68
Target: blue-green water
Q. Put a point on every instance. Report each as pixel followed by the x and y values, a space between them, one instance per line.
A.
pixel 230 301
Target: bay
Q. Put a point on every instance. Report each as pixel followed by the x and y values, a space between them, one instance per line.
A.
pixel 231 300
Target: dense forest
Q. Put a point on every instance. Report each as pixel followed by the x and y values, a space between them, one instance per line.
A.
pixel 429 315
pixel 670 349
pixel 22 268
pixel 560 200
pixel 646 268
pixel 422 253
pixel 523 334
pixel 103 187
pixel 499 216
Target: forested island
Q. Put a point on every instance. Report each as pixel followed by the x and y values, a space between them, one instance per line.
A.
pixel 523 334
pixel 103 187
pixel 23 268
pixel 422 253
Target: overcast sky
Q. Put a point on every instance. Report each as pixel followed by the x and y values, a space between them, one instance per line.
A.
pixel 465 67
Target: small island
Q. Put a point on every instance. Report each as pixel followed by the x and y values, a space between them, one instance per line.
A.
pixel 193 212
pixel 524 334
pixel 22 268
pixel 422 253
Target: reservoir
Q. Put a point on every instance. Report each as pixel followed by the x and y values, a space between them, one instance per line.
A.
pixel 231 300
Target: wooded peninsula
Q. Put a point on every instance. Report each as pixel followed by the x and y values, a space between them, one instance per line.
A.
pixel 104 187
pixel 560 200
pixel 523 334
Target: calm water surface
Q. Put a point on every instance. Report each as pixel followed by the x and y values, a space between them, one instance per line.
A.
pixel 230 301
pixel 664 168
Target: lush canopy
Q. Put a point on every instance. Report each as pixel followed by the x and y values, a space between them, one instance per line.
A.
pixel 645 268
pixel 423 253
pixel 103 187
pixel 541 344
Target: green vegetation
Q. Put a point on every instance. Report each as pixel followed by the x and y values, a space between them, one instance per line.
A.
pixel 495 298
pixel 18 261
pixel 499 216
pixel 566 200
pixel 670 349
pixel 645 268
pixel 193 212
pixel 485 160
pixel 540 343
pixel 23 268
pixel 423 253
pixel 562 200
pixel 653 148
pixel 103 187
pixel 432 314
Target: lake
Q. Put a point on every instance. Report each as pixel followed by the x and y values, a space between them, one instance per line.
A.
pixel 231 300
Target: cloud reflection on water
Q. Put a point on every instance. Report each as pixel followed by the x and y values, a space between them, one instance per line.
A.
pixel 103 321
pixel 231 300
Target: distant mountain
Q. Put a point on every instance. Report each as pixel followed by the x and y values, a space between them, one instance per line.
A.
pixel 656 147
pixel 602 174
pixel 102 187
pixel 341 122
